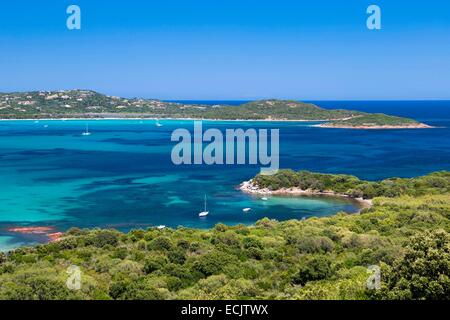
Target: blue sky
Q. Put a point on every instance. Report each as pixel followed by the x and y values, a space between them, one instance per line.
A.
pixel 229 49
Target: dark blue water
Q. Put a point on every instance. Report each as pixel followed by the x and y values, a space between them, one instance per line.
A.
pixel 122 175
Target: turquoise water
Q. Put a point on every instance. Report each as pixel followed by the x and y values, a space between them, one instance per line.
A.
pixel 122 176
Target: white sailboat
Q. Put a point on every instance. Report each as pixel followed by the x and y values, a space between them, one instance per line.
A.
pixel 204 213
pixel 86 133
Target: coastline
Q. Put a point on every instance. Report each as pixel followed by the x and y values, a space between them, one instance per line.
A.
pixel 324 123
pixel 377 127
pixel 249 188
pixel 156 118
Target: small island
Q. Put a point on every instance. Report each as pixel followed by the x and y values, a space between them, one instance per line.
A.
pixel 375 121
pixel 87 104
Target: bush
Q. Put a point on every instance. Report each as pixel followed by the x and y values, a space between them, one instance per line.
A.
pixel 154 263
pixel 43 288
pixel 120 253
pixel 312 244
pixel 213 262
pixel 423 272
pixel 227 238
pixel 142 245
pixel 177 256
pixel 183 244
pixel 252 242
pixel 313 269
pixel 254 253
pixel 160 244
pixel 103 238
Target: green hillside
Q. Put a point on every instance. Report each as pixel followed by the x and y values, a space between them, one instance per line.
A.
pixel 90 104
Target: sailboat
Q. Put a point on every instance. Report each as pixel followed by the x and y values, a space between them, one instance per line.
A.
pixel 86 133
pixel 204 213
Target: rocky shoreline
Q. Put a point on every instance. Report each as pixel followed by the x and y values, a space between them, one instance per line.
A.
pixel 250 188
pixel 48 232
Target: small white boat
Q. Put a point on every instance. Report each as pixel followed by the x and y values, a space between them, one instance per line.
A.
pixel 158 124
pixel 160 227
pixel 205 212
pixel 246 209
pixel 86 133
pixel 264 199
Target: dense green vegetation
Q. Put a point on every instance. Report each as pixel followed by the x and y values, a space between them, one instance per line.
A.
pixel 90 104
pixel 405 232
pixel 370 120
pixel 434 183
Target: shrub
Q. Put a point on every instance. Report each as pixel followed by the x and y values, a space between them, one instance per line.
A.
pixel 183 244
pixel 103 238
pixel 160 244
pixel 254 253
pixel 252 242
pixel 313 269
pixel 120 253
pixel 423 272
pixel 213 262
pixel 142 245
pixel 154 263
pixel 311 244
pixel 228 238
pixel 177 256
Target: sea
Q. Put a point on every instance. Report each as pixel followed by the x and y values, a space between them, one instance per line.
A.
pixel 122 176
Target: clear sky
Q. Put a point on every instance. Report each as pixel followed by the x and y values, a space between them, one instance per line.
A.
pixel 229 49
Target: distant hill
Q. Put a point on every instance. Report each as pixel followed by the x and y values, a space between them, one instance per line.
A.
pixel 91 104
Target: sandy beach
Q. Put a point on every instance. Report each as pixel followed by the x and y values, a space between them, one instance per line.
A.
pixel 323 124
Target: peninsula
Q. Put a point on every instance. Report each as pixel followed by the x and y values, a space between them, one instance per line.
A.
pixel 290 182
pixel 87 104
